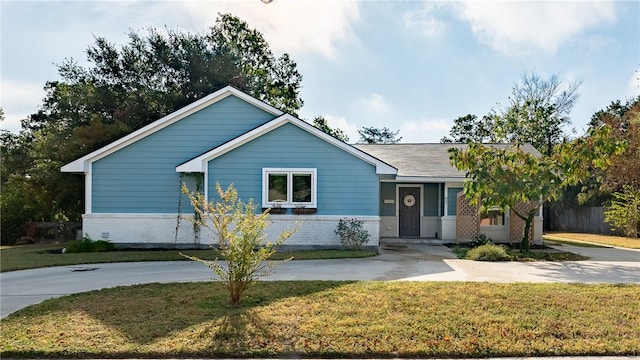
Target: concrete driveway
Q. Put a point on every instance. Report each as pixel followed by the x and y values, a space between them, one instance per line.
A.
pixel 415 262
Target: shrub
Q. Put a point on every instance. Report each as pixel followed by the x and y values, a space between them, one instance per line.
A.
pixel 488 252
pixel 89 245
pixel 480 239
pixel 240 232
pixel 624 212
pixel 352 233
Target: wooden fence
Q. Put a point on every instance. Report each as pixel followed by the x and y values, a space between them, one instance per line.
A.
pixel 588 220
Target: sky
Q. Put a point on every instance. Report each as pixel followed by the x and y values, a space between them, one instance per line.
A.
pixel 411 66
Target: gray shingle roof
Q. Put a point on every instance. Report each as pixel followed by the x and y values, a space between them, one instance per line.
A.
pixel 422 160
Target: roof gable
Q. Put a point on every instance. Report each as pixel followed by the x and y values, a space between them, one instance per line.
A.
pixel 199 163
pixel 82 164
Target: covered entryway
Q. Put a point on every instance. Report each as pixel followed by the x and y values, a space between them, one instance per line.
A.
pixel 409 211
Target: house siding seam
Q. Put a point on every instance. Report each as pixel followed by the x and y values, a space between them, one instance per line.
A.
pixel 141 177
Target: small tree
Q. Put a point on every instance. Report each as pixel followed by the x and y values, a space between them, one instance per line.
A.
pixel 508 176
pixel 241 239
pixel 624 212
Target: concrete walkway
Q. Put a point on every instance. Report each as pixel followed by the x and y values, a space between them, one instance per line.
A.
pixel 416 262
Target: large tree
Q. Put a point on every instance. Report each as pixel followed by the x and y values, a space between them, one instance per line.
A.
pixel 537 113
pixel 372 135
pixel 624 120
pixel 510 177
pixel 126 87
pixel 469 128
pixel 539 109
pixel 620 182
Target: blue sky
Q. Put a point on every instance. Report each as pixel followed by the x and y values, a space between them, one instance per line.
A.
pixel 412 66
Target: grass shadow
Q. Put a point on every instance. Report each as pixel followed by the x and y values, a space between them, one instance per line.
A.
pixel 142 315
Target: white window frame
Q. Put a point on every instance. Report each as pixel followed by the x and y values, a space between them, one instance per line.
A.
pixel 290 172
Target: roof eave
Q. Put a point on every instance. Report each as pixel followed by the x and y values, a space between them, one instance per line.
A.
pixel 430 179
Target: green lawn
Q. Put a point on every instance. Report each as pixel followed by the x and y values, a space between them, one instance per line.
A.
pixel 35 256
pixel 579 239
pixel 331 320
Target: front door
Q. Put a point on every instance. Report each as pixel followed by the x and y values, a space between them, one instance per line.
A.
pixel 409 211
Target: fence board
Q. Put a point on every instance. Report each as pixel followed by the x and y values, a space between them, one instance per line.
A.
pixel 588 220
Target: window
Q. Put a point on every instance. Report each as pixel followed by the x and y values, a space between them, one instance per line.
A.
pixel 289 187
pixel 493 217
pixel 452 200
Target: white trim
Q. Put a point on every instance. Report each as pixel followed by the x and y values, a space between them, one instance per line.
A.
pixel 425 179
pixel 446 195
pixel 205 183
pixel 82 164
pixel 199 164
pixel 289 172
pixel 88 188
pixel 421 188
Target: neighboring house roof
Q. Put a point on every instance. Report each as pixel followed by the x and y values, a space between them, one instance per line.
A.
pixel 199 163
pixel 82 164
pixel 429 162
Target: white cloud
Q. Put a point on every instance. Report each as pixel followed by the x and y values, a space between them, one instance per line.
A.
pixel 524 27
pixel 634 84
pixel 424 21
pixel 340 122
pixel 19 99
pixel 373 103
pixel 292 26
pixel 424 130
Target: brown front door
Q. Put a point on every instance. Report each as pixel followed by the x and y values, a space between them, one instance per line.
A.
pixel 409 211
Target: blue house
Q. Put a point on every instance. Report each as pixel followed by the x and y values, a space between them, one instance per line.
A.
pixel 132 186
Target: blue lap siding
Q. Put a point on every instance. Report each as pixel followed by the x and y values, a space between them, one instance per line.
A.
pixel 142 178
pixel 346 184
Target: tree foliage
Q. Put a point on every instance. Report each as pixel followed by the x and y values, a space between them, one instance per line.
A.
pixel 321 123
pixel 537 113
pixel 508 176
pixel 241 240
pixel 622 177
pixel 469 128
pixel 624 120
pixel 123 89
pixel 623 213
pixel 157 73
pixel 372 135
pixel 539 109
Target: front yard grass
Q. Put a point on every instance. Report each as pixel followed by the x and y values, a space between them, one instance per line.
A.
pixel 323 319
pixel 36 256
pixel 577 239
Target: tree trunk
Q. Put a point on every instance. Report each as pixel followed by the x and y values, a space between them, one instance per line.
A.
pixel 524 243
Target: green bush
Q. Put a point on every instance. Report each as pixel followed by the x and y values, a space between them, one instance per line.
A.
pixel 480 239
pixel 89 245
pixel 488 252
pixel 352 233
pixel 623 214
